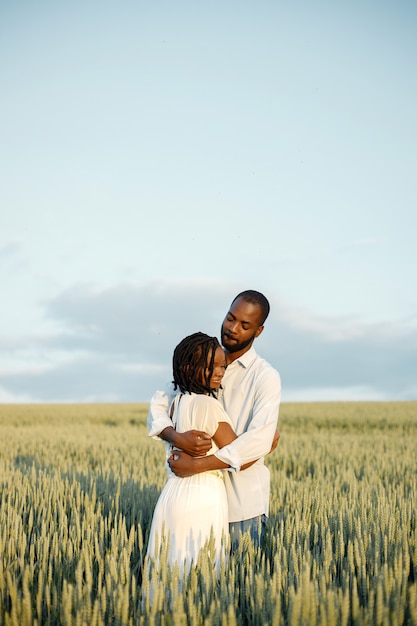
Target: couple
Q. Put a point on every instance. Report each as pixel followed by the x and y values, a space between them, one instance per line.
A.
pixel 220 414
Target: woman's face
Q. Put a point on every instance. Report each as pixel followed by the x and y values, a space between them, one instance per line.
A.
pixel 219 368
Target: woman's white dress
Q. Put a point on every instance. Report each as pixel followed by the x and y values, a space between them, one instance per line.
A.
pixel 190 509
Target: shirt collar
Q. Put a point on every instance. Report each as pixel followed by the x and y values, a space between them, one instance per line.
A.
pixel 247 358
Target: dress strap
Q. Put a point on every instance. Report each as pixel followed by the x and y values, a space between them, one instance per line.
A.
pixel 174 408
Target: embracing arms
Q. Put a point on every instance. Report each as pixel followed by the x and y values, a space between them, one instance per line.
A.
pixel 258 418
pixel 183 464
pixel 194 442
pixel 237 453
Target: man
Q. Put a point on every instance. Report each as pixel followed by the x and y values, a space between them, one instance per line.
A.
pixel 250 394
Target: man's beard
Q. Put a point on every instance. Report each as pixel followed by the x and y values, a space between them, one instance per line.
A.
pixel 235 346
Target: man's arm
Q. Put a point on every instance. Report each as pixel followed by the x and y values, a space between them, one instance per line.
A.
pixel 260 439
pixel 275 441
pixel 195 442
pixel 183 464
pixel 158 418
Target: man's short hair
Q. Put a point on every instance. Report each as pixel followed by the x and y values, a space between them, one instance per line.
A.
pixel 255 297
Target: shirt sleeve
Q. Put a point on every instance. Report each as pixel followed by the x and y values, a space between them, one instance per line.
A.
pixel 256 441
pixel 158 418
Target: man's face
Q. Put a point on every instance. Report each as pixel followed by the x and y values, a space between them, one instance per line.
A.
pixel 241 326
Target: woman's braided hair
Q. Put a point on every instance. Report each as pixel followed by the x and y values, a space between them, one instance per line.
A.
pixel 193 363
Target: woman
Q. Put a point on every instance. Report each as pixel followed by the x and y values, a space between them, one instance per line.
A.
pixel 191 511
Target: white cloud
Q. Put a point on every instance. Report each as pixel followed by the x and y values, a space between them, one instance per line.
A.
pixel 7 397
pixel 116 344
pixel 10 249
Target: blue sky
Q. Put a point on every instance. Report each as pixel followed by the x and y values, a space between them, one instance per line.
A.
pixel 157 158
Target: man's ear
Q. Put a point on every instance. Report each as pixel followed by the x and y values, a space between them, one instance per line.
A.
pixel 258 331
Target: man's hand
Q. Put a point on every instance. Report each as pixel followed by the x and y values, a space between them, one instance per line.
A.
pixel 182 464
pixel 194 442
pixel 275 441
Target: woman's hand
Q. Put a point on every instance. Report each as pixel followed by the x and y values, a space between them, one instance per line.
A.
pixel 193 442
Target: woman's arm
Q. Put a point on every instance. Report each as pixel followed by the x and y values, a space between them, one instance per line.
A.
pixel 194 442
pixel 225 435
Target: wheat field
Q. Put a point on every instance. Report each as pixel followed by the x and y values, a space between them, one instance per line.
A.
pixel 78 488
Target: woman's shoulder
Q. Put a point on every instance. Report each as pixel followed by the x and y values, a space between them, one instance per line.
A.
pixel 203 399
pixel 207 412
pixel 201 402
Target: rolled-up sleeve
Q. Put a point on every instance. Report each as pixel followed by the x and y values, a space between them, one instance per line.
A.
pixel 158 418
pixel 257 440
